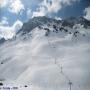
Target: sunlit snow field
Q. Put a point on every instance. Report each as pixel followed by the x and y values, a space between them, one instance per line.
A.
pixel 46 62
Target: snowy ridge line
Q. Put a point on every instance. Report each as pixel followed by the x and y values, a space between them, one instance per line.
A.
pixel 60 66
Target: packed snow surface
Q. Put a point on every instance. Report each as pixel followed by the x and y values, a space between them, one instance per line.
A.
pixel 47 62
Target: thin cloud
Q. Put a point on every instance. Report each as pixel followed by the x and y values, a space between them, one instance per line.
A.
pixel 48 7
pixel 29 13
pixel 87 13
pixel 4 21
pixel 3 3
pixel 8 32
pixel 13 6
pixel 16 6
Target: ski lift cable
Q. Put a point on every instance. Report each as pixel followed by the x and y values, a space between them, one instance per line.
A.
pixel 60 67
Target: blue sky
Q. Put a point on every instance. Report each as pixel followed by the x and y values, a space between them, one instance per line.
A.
pixel 76 9
pixel 22 10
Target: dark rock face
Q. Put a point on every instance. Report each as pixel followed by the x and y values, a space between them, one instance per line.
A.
pixel 36 22
pixel 39 21
pixel 1 84
pixel 47 31
pixel 2 40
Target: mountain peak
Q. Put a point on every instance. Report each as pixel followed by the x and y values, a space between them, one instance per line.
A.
pixel 37 21
pixel 40 21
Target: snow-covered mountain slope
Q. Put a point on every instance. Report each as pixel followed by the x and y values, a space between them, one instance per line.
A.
pixel 46 55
